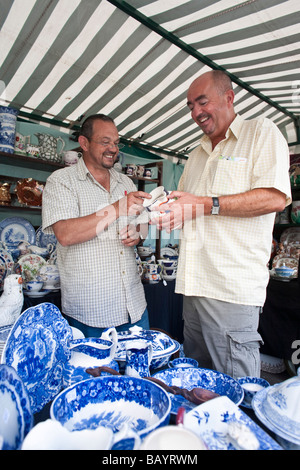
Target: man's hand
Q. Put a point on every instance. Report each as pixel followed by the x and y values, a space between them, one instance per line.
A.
pixel 132 204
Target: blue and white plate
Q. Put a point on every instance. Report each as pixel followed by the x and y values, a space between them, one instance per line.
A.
pixel 16 416
pixel 258 403
pixel 211 422
pixel 38 347
pixel 14 230
pixel 112 402
pixel 44 239
pixel 191 377
pixel 162 345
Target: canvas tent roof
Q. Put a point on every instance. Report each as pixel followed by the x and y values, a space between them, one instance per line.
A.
pixel 64 59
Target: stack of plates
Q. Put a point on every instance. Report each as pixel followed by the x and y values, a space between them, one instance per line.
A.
pixel 4 332
pixel 278 409
pixel 37 347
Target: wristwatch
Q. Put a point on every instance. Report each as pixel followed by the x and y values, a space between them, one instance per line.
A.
pixel 216 206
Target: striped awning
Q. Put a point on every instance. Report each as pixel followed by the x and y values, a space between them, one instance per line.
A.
pixel 61 60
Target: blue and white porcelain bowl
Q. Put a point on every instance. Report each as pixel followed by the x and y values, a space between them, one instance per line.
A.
pixel 34 286
pixel 183 362
pixel 284 271
pixel 192 377
pixel 278 408
pixel 112 402
pixel 251 385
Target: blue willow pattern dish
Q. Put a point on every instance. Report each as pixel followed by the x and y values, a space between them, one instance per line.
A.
pixel 44 239
pixel 211 422
pixel 112 402
pixel 38 347
pixel 16 416
pixel 13 230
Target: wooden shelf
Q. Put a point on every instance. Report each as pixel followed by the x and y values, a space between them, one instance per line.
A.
pixel 12 207
pixel 28 162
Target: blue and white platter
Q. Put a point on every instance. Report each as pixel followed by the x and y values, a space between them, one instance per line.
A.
pixel 38 347
pixel 14 230
pixel 212 422
pixel 15 417
pixel 44 239
pixel 112 401
pixel 162 345
pixel 191 377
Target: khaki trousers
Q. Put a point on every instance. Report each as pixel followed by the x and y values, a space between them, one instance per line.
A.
pixel 222 336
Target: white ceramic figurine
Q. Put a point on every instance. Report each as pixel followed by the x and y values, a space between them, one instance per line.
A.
pixel 11 300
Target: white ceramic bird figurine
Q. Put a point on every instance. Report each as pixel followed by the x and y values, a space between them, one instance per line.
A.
pixel 11 300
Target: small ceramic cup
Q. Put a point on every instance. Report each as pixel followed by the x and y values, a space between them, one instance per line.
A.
pixel 168 263
pixel 251 385
pixel 183 362
pixel 172 438
pixel 33 151
pixel 131 169
pixel 34 286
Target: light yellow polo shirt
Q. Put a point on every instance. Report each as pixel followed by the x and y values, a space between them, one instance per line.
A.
pixel 223 257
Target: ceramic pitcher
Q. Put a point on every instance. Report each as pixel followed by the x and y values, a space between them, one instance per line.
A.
pixel 49 147
pixel 138 358
pixel 94 352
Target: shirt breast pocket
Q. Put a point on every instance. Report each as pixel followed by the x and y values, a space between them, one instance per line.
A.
pixel 231 177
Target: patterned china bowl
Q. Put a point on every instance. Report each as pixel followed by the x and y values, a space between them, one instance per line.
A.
pixel 251 385
pixel 192 377
pixel 285 271
pixel 112 402
pixel 183 362
pixel 278 406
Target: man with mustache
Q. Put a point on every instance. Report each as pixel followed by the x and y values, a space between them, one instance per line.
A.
pixel 232 185
pixel 91 209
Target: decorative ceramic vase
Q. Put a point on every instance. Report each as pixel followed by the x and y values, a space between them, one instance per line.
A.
pixel 295 212
pixel 8 119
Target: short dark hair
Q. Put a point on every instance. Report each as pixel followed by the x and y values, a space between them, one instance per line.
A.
pixel 222 81
pixel 87 126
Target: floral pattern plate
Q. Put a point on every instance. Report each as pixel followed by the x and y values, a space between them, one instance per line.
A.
pixel 6 265
pixel 211 421
pixel 29 266
pixel 16 416
pixel 38 347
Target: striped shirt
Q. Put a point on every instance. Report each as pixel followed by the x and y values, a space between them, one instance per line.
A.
pixel 100 284
pixel 223 257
